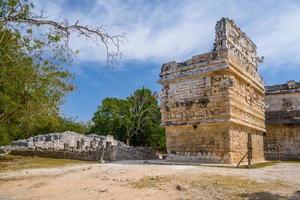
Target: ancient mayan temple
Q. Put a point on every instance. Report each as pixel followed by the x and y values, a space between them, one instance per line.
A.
pixel 282 139
pixel 212 105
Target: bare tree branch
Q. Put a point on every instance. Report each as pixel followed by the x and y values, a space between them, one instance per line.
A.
pixel 111 42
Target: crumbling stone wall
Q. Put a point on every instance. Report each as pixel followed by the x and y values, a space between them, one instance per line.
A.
pixel 205 98
pixel 70 145
pixel 282 140
pixel 113 153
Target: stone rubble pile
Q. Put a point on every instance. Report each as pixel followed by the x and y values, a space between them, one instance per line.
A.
pixel 73 145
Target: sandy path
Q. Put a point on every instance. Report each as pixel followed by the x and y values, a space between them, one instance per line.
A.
pixel 138 181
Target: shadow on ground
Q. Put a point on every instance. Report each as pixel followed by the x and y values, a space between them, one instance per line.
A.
pixel 270 196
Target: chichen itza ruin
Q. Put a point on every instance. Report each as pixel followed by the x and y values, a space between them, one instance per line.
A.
pixel 213 105
pixel 215 109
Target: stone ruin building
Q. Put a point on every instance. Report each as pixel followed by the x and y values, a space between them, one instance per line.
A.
pixel 212 105
pixel 282 139
pixel 71 145
pixel 213 110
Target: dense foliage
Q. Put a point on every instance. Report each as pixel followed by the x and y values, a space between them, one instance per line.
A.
pixel 30 92
pixel 33 81
pixel 134 120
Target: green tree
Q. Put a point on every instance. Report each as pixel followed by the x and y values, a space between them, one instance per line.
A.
pixel 134 120
pixel 27 90
pixel 111 118
pixel 34 62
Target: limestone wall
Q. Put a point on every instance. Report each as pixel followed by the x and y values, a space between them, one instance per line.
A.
pixel 70 145
pixel 283 101
pixel 91 155
pixel 242 138
pixel 283 104
pixel 282 142
pixel 113 153
pixel 198 143
pixel 214 143
pixel 282 139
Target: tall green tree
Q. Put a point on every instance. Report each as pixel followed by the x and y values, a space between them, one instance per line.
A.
pixel 34 62
pixel 111 118
pixel 27 89
pixel 134 120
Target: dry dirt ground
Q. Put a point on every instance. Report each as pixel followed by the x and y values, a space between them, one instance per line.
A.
pixel 134 180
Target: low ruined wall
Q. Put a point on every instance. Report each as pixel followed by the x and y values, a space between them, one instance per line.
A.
pixel 282 142
pixel 92 155
pixel 71 145
pixel 132 153
pixel 110 154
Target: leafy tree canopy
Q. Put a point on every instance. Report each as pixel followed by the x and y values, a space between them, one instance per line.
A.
pixel 34 76
pixel 134 120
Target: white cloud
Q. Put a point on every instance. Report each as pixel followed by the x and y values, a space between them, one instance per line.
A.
pixel 168 30
pixel 279 38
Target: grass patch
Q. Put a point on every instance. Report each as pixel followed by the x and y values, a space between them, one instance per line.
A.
pixel 260 165
pixel 210 186
pixel 151 182
pixel 11 162
pixel 197 181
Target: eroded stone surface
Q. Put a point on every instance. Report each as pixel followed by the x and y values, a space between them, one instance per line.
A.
pixel 282 139
pixel 213 104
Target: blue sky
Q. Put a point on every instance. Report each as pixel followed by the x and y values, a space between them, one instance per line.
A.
pixel 162 31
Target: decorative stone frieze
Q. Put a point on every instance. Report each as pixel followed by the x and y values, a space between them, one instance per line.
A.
pixel 212 105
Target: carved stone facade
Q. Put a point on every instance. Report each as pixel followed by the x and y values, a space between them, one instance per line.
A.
pixel 213 104
pixel 282 139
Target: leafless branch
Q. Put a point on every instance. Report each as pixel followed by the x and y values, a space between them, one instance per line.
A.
pixel 111 42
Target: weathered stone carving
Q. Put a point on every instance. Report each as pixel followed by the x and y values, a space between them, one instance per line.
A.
pixel 282 139
pixel 206 98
